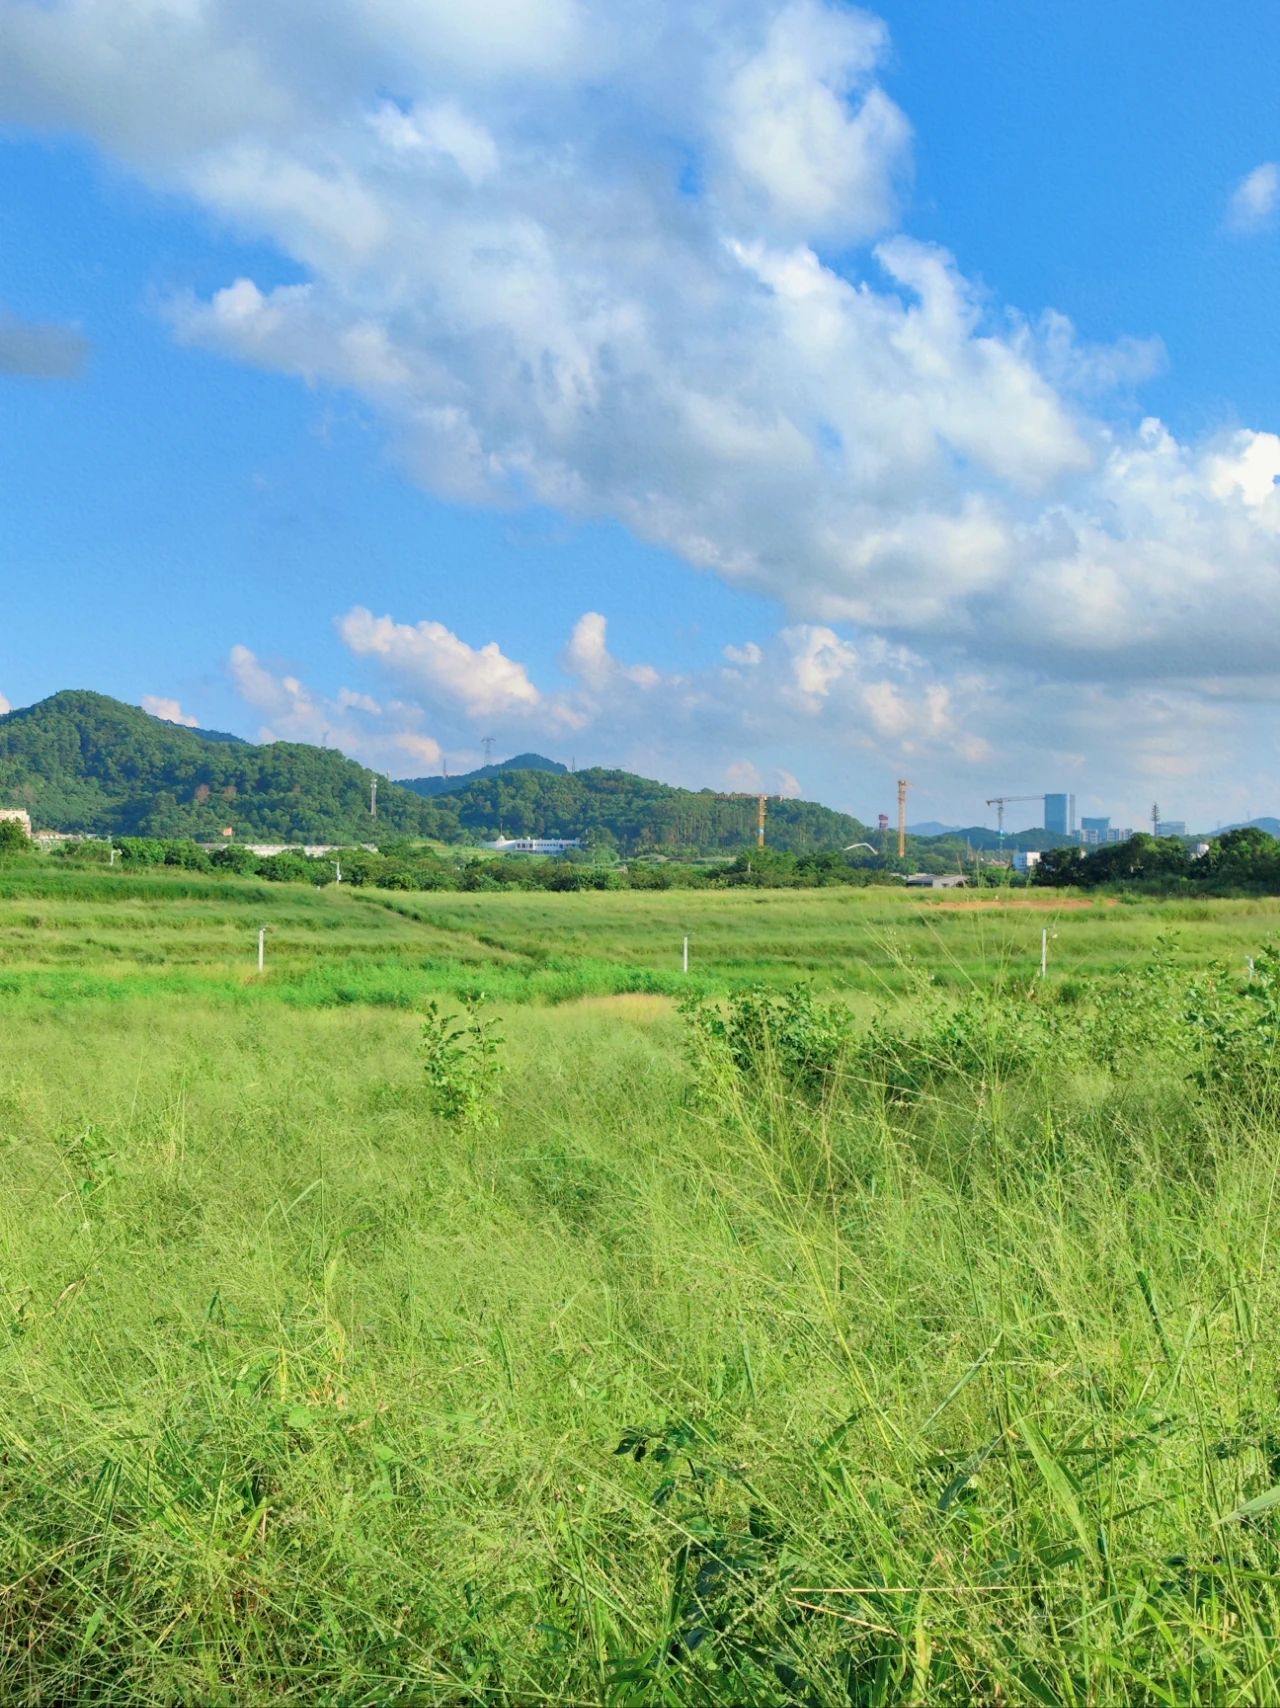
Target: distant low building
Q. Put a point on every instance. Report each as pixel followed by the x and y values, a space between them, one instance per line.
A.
pixel 10 814
pixel 1026 860
pixel 937 881
pixel 1171 827
pixel 534 844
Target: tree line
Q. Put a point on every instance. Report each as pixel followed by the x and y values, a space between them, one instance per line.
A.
pixel 1240 861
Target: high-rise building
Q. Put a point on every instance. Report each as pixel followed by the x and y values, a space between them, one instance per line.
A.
pixel 1171 827
pixel 1060 814
pixel 1094 830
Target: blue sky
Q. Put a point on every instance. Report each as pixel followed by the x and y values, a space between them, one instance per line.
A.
pixel 796 399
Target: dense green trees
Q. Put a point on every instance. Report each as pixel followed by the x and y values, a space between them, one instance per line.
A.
pixel 1247 859
pixel 83 762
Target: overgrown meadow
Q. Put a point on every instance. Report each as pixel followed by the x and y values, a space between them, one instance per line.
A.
pixel 859 1320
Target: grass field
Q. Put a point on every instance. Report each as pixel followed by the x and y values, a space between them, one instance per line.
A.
pixel 65 935
pixel 942 1347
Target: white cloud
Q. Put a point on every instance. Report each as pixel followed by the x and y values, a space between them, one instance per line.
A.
pixel 743 774
pixel 747 654
pixel 482 681
pixel 421 748
pixel 169 710
pixel 1254 200
pixel 350 700
pixel 4 706
pixel 355 723
pixel 587 657
pixel 443 132
pixel 806 128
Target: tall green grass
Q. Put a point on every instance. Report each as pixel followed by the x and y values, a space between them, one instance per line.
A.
pixel 946 1377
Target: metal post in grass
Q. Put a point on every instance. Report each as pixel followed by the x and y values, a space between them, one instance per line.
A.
pixel 686 955
pixel 1044 952
pixel 262 948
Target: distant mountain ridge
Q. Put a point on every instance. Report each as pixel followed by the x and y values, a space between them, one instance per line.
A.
pixel 85 763
pixel 931 827
pixel 1270 825
pixel 430 786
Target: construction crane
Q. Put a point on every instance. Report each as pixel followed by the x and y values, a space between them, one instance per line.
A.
pixel 762 808
pixel 903 786
pixel 1000 802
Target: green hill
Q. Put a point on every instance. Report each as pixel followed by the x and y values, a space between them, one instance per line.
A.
pixel 431 786
pixel 632 813
pixel 82 762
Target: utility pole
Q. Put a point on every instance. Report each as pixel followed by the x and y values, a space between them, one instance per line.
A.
pixel 486 742
pixel 373 798
pixel 903 786
pixel 1155 818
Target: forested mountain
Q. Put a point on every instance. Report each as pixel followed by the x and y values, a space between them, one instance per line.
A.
pixel 632 813
pixel 430 786
pixel 82 762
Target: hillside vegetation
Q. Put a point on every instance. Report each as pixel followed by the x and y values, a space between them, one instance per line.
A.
pixel 82 762
pixel 430 786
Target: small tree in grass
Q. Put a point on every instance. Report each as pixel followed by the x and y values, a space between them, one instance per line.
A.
pixel 13 838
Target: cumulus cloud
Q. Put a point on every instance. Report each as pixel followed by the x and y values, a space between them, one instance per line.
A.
pixel 483 681
pixel 650 264
pixel 169 710
pixel 587 657
pixel 385 737
pixel 4 706
pixel 807 686
pixel 32 350
pixel 1254 200
pixel 807 130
